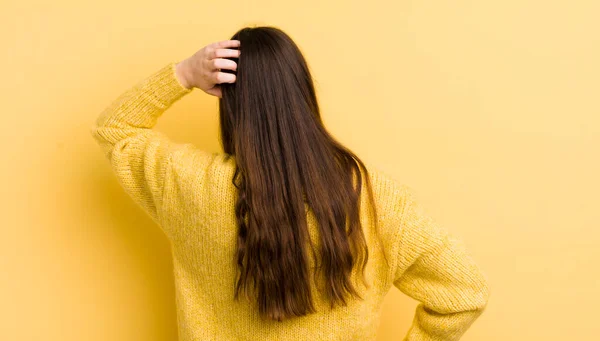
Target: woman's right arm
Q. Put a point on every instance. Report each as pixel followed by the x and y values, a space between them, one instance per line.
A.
pixel 435 268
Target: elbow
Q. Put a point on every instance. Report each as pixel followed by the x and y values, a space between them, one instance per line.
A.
pixel 93 131
pixel 474 295
pixel 103 139
pixel 481 296
pixel 96 132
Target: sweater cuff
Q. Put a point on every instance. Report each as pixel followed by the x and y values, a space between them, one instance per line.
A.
pixel 165 86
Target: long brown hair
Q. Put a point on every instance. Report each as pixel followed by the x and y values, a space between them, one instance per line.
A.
pixel 285 159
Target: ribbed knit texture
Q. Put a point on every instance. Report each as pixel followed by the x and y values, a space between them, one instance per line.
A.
pixel 189 194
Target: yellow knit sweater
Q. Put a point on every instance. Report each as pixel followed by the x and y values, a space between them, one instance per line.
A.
pixel 189 194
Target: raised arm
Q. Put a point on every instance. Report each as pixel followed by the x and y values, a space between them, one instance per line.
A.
pixel 435 269
pixel 140 156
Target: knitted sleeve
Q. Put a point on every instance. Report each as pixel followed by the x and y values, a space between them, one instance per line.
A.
pixel 140 156
pixel 436 269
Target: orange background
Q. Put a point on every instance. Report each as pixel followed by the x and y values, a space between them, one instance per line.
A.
pixel 489 109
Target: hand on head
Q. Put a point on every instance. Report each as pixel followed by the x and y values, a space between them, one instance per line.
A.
pixel 203 69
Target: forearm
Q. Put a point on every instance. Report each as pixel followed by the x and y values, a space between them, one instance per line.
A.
pixel 139 155
pixel 428 326
pixel 183 73
pixel 141 105
pixel 436 269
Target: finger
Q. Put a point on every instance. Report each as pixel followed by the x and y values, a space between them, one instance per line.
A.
pixel 223 53
pixel 223 64
pixel 223 77
pixel 225 44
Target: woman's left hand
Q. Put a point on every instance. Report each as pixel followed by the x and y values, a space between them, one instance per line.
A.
pixel 203 69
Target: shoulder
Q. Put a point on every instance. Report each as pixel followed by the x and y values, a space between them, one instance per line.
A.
pixel 188 156
pixel 392 199
pixel 191 164
pixel 390 193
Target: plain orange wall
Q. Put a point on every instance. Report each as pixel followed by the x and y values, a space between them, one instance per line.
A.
pixel 489 109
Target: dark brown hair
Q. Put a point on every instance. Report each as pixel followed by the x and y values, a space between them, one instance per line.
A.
pixel 285 159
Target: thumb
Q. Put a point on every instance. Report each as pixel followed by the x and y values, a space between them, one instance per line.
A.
pixel 215 91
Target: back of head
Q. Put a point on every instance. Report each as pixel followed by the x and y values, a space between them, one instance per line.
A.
pixel 285 158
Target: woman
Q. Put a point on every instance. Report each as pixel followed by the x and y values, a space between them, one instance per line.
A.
pixel 270 238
